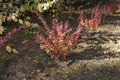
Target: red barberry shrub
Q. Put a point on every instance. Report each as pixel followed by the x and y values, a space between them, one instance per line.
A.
pixel 92 22
pixel 112 7
pixel 60 40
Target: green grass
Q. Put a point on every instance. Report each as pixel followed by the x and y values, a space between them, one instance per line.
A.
pixel 106 74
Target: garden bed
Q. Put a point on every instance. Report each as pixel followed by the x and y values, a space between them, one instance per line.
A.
pixel 95 58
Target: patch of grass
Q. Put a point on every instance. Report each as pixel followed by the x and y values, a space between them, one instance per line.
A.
pixel 59 75
pixel 106 74
pixel 24 78
pixel 3 77
pixel 3 58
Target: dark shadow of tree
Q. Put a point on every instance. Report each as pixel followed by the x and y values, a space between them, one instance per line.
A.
pixel 114 20
pixel 95 51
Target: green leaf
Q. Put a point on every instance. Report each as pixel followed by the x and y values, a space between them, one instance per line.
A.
pixel 27 18
pixel 26 32
pixel 27 23
pixel 26 0
pixel 3 58
pixel 15 51
pixel 1 30
pixel 20 21
pixel 13 17
pixel 34 5
pixel 8 49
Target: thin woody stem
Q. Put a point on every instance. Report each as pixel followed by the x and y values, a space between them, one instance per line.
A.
pixel 46 28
